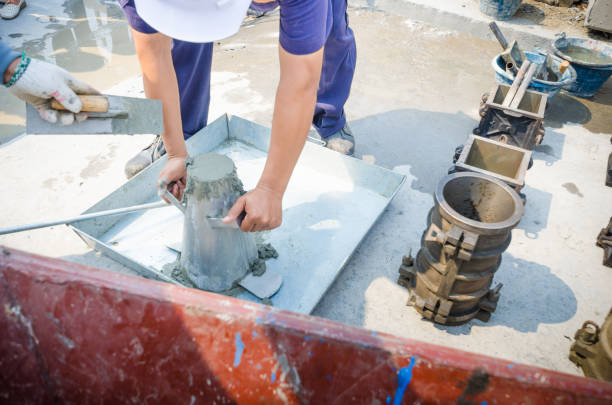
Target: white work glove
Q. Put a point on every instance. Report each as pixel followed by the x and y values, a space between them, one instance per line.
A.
pixel 42 81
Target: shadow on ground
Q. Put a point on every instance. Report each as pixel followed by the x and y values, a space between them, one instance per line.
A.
pixel 551 149
pixel 530 12
pixel 537 211
pixel 410 136
pixel 564 109
pixel 592 113
pixel 532 295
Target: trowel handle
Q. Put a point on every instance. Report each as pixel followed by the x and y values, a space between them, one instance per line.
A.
pixel 90 104
pixel 563 66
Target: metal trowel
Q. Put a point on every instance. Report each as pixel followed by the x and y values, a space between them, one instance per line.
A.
pixel 105 115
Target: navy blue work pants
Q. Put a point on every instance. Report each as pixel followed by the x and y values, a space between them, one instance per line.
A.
pixel 192 63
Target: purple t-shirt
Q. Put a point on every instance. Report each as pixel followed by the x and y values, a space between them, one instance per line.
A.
pixel 304 24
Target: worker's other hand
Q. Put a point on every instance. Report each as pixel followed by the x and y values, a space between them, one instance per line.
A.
pixel 42 81
pixel 263 207
pixel 174 174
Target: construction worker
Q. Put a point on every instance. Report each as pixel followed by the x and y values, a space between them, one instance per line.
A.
pixel 36 82
pixel 173 40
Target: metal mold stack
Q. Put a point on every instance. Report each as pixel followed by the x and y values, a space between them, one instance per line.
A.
pixel 504 162
pixel 513 114
pixel 510 127
pixel 476 207
pixel 604 241
pixel 468 229
pixel 518 124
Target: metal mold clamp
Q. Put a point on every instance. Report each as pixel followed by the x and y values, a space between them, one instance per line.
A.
pixel 592 350
pixel 604 241
pixel 518 124
pixel 496 159
pixel 469 228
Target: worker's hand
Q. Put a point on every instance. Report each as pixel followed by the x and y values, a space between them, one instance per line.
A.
pixel 263 207
pixel 42 81
pixel 175 175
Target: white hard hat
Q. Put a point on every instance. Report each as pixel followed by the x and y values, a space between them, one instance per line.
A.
pixel 194 20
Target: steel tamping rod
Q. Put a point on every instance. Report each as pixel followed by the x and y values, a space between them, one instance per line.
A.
pixel 84 217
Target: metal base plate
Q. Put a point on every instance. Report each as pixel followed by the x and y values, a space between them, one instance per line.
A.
pixel 264 286
pixel 331 203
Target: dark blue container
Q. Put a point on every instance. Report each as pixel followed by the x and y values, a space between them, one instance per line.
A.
pixel 592 61
pixel 500 9
pixel 551 88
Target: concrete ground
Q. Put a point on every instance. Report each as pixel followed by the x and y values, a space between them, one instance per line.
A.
pixel 415 97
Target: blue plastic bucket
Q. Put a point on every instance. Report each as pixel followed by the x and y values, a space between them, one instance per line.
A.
pixel 592 60
pixel 500 9
pixel 551 88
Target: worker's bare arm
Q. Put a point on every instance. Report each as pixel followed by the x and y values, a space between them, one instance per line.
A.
pixel 293 110
pixel 159 79
pixel 294 106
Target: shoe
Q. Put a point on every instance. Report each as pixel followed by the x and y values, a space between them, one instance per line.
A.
pixel 261 9
pixel 145 157
pixel 12 8
pixel 341 141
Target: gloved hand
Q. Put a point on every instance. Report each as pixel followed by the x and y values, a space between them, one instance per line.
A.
pixel 42 81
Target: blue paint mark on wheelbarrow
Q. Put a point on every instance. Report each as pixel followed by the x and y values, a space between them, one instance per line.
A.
pixel 404 375
pixel 592 60
pixel 549 87
pixel 500 9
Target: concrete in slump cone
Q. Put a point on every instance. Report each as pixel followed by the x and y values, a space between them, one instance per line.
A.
pixel 213 258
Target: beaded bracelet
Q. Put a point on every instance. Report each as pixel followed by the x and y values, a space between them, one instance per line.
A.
pixel 21 68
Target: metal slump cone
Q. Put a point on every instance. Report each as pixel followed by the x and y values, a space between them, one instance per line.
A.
pixel 213 258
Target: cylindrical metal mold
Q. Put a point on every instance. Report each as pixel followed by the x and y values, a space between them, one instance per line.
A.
pixel 213 259
pixel 469 228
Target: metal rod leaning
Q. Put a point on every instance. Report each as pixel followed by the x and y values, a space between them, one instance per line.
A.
pixel 498 34
pixel 117 211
